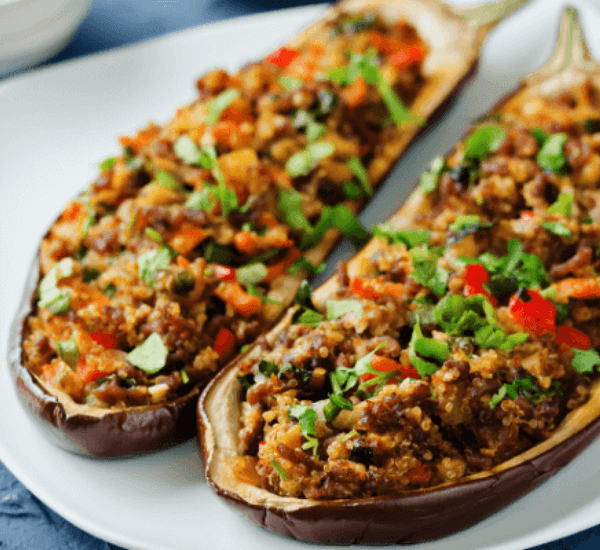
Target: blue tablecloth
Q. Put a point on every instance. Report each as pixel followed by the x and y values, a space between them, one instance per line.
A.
pixel 25 522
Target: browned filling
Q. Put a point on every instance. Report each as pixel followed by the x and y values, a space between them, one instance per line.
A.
pixel 467 338
pixel 177 243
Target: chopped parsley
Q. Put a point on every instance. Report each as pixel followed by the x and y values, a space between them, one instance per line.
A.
pixel 426 347
pixel 429 180
pixel 483 141
pixel 527 388
pixel 585 360
pixel 426 269
pixel 558 229
pixel 303 162
pixel 217 105
pixel 164 179
pixel 151 262
pixel 279 469
pixel 108 163
pixel 302 264
pixel 408 237
pixel 289 83
pixel 307 418
pixel 361 174
pixel 563 205
pixel 551 156
pixel 336 308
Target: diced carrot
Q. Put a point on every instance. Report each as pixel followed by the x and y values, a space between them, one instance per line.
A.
pixel 224 342
pixel 73 212
pixel 224 130
pixel 394 289
pixel 187 238
pixel 574 287
pixel 385 44
pixel 280 268
pixel 233 294
pixel 355 94
pixel 420 475
pixel 182 261
pixel 246 242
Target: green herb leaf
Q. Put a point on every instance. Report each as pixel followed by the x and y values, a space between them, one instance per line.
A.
pixel 108 163
pixel 151 262
pixel 279 469
pixel 90 274
pixel 427 271
pixel 150 356
pixel 585 360
pixel 408 237
pixel 110 290
pixel 399 112
pixel 188 152
pixel 310 318
pixel 255 292
pixel 551 155
pixel 303 162
pixel 361 174
pixel 540 136
pixel 302 264
pixel 289 202
pixel 423 367
pixel 204 199
pixel 307 418
pixel 336 308
pixel 352 191
pixel 563 205
pixel 153 234
pixel 483 141
pixel 289 83
pixel 251 274
pixel 465 221
pixel 429 180
pixel 558 228
pixel 267 368
pixel 217 105
pixel 218 254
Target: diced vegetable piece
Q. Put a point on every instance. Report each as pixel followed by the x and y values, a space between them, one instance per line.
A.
pixel 224 342
pixel 530 310
pixel 233 294
pixel 573 338
pixel 150 356
pixel 282 57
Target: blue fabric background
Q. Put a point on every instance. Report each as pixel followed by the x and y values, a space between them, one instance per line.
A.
pixel 26 523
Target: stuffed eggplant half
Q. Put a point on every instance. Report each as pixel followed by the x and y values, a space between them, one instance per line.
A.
pixel 192 241
pixel 451 365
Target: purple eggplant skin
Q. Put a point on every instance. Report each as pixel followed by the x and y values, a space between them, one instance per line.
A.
pixel 107 433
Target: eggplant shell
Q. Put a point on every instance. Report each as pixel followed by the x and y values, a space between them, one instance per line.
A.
pixel 454 37
pixel 424 514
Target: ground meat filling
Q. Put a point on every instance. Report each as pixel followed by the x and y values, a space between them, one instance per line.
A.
pixel 160 271
pixel 466 339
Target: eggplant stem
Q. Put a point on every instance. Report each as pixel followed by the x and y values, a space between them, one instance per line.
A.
pixel 489 14
pixel 571 49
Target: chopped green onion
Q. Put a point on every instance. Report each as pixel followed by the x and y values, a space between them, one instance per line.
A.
pixel 551 156
pixel 108 163
pixel 558 229
pixel 150 356
pixel 251 274
pixel 361 174
pixel 563 205
pixel 336 308
pixel 204 199
pixel 217 105
pixel 151 262
pixel 153 234
pixel 484 140
pixel 429 180
pixel 164 179
pixel 255 292
pixel 289 83
pixel 303 162
pixel 310 318
pixel 302 264
pixel 279 469
pixel 188 152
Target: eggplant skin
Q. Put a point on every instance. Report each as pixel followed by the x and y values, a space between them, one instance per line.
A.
pixel 106 434
pixel 420 516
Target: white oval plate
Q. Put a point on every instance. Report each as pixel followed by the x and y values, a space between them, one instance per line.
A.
pixel 59 122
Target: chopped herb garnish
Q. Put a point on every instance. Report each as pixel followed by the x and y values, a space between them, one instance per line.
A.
pixel 427 347
pixel 246 380
pixel 267 368
pixel 426 269
pixel 336 308
pixel 218 254
pixel 184 282
pixel 527 388
pixel 465 221
pixel 90 219
pixel 558 229
pixel 108 163
pixel 150 356
pixel 483 141
pixel 361 174
pixel 164 179
pixel 587 220
pixel 585 360
pixel 204 199
pixel 335 406
pixel 90 274
pixel 69 353
pixel 551 156
pixel 153 234
pixel 279 469
pixel 110 290
pixel 50 296
pixel 255 292
pixel 302 264
pixel 563 205
pixel 307 418
pixel 303 162
pixel 409 237
pixel 540 136
pixel 217 105
pixel 289 83
pixel 188 152
pixel 184 376
pixel 289 202
pixel 151 262
pixel 251 274
pixel 309 317
pixel 352 191
pixel 562 312
pixel 429 180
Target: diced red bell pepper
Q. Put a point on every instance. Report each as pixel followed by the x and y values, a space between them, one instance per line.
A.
pixel 408 56
pixel 475 278
pixel 282 57
pixel 224 342
pixel 385 364
pixel 573 338
pixel 224 272
pixel 88 373
pixel 105 340
pixel 536 314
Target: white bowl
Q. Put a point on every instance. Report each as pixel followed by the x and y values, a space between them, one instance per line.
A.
pixel 31 31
